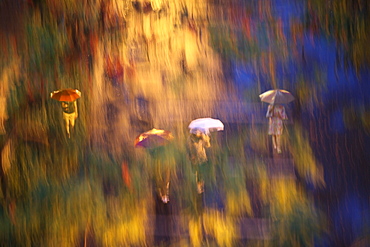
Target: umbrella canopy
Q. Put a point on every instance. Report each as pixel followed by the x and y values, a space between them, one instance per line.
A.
pixel 68 94
pixel 277 96
pixel 153 138
pixel 206 125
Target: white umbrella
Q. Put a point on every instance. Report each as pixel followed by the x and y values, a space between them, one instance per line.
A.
pixel 206 125
pixel 277 96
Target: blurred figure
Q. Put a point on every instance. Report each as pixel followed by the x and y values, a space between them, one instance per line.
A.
pixel 157 142
pixel 163 164
pixel 69 115
pixel 196 146
pixel 68 98
pixel 276 114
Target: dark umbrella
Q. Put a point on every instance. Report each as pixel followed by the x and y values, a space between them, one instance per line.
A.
pixel 153 138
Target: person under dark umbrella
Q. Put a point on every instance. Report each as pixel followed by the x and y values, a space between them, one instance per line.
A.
pixel 163 164
pixel 157 142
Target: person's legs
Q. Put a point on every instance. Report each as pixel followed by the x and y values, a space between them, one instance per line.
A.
pixel 274 141
pixel 165 186
pixel 200 178
pixel 278 143
pixel 66 122
pixel 161 188
pixel 165 193
pixel 69 121
pixel 200 186
pixel 167 180
pixel 72 122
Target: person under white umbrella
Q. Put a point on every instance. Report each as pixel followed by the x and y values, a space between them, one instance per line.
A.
pixel 196 146
pixel 197 143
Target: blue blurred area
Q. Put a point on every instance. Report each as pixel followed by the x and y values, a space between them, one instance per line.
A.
pixel 342 100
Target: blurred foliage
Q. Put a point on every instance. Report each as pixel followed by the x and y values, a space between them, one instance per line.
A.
pixel 253 30
pixel 237 201
pixel 129 231
pixel 221 227
pixel 195 232
pixel 49 44
pixel 254 35
pixel 62 192
pixel 258 139
pixel 305 162
pixel 292 212
pixel 345 21
pixel 257 172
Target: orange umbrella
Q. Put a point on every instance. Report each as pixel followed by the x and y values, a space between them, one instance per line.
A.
pixel 67 94
pixel 153 138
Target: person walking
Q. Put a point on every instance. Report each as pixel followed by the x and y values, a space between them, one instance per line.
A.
pixel 68 98
pixel 196 145
pixel 70 114
pixel 163 164
pixel 276 114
